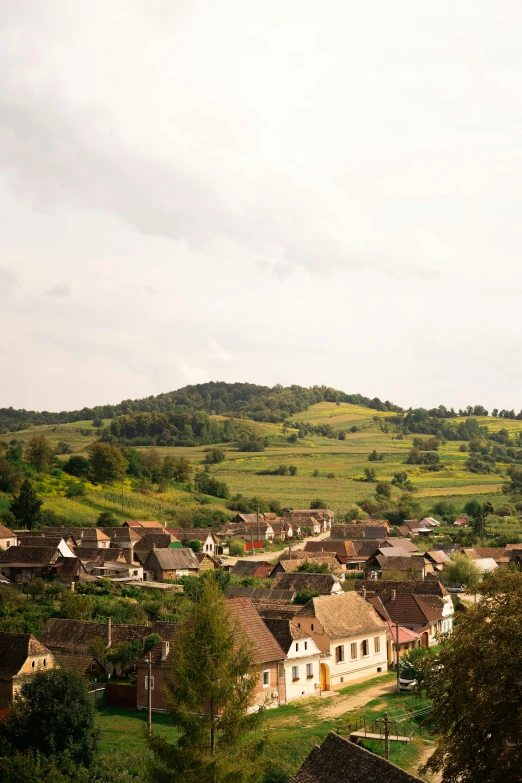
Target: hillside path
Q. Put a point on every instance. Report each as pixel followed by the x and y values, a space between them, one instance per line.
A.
pixel 338 705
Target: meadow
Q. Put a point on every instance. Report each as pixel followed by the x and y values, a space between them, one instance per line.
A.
pixel 327 468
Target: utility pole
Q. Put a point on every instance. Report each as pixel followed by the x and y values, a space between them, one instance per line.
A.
pixel 252 535
pixel 398 657
pixel 149 717
pixel 386 737
pixel 257 518
pixel 122 488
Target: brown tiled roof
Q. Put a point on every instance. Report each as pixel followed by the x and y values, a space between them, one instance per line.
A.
pixel 99 554
pixel 285 632
pixel 275 609
pixel 366 548
pixel 36 540
pixel 152 539
pixel 318 513
pixel 400 563
pixel 299 554
pixel 316 583
pixel 407 609
pixel 139 524
pixel 404 530
pixel 345 614
pixel 78 533
pixel 265 646
pixel 263 593
pixel 78 663
pixel 342 549
pixel 252 568
pixel 15 648
pixel 192 533
pixel 403 543
pixel 498 554
pixel 75 636
pixel 438 556
pixel 29 555
pixel 5 532
pixel 171 560
pixel 417 587
pixel 340 761
pixel 364 532
pixel 121 534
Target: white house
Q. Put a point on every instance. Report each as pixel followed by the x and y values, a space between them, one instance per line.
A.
pixel 7 537
pixel 350 635
pixel 303 659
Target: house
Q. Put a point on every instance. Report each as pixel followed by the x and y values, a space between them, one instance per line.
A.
pixel 437 558
pixel 350 635
pixel 338 760
pixel 70 642
pixel 206 562
pixel 274 609
pixel 91 557
pixel 319 520
pixel 322 584
pixel 206 537
pixel 117 571
pixel 302 662
pixel 342 550
pixel 283 529
pixel 25 563
pixel 158 539
pixel 428 616
pixel 248 527
pixel 55 541
pixel 122 537
pixel 161 664
pixel 268 655
pixel 430 521
pixel 404 543
pixel 408 640
pixel 359 531
pixel 21 656
pixel 7 537
pixel 385 566
pixel 498 554
pixel 294 564
pixel 142 527
pixel 254 568
pixel 461 522
pixel 89 536
pixel 165 565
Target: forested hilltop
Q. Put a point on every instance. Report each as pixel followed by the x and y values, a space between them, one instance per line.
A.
pixel 239 400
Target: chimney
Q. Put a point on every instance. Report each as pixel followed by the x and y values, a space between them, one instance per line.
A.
pixel 109 631
pixel 165 646
pixel 364 593
pixel 394 595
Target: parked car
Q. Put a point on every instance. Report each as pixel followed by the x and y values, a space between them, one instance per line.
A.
pixel 456 589
pixel 406 685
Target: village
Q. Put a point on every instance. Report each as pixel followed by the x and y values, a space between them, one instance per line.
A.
pixel 341 605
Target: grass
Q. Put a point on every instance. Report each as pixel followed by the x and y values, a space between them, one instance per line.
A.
pixel 293 729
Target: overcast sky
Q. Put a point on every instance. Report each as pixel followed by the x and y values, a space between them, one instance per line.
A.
pixel 273 191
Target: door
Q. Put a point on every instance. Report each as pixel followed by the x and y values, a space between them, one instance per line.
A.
pixel 324 677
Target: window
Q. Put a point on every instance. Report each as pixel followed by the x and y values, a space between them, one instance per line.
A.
pixel 45 662
pixel 33 664
pixel 309 671
pixel 312 626
pixel 365 648
pixel 147 683
pixel 306 645
pixel 93 667
pixel 8 544
pixel 377 644
pixel 295 673
pixel 353 651
pixel 339 654
pixel 297 646
pixel 266 678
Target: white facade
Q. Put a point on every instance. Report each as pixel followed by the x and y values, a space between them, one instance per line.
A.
pixel 8 542
pixel 302 670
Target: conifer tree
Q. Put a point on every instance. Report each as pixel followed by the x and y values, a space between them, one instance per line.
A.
pixel 26 506
pixel 209 692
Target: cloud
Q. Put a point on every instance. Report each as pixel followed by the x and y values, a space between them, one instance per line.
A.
pixel 8 278
pixel 59 291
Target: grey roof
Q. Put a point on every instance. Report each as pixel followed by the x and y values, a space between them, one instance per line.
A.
pixel 417 587
pixel 361 531
pixel 285 632
pixel 15 648
pixel 338 760
pixel 171 560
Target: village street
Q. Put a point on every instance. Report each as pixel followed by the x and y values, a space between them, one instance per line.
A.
pixel 277 555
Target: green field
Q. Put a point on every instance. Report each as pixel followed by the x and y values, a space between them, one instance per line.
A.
pixel 345 459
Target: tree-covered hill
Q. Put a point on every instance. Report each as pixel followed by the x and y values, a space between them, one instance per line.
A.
pixel 240 400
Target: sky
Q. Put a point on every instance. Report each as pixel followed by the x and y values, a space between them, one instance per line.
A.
pixel 271 191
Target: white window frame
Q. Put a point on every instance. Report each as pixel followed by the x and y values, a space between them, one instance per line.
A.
pixel 309 671
pixel 339 653
pixel 295 673
pixel 267 673
pixel 147 682
pixel 376 645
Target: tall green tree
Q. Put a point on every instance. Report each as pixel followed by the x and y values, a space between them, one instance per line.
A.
pixel 53 716
pixel 461 570
pixel 26 506
pixel 209 693
pixel 39 452
pixel 475 688
pixel 107 462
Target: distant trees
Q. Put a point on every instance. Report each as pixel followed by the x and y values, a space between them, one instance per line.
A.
pixel 461 570
pixel 107 462
pixel 251 442
pixel 214 456
pixel 430 459
pixel 370 474
pixel 77 466
pixel 26 506
pixel 318 503
pixel 178 469
pixel 209 485
pixel 374 457
pixel 39 452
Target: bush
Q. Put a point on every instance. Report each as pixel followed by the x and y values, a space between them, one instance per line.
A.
pixel 236 547
pixel 214 456
pixel 318 503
